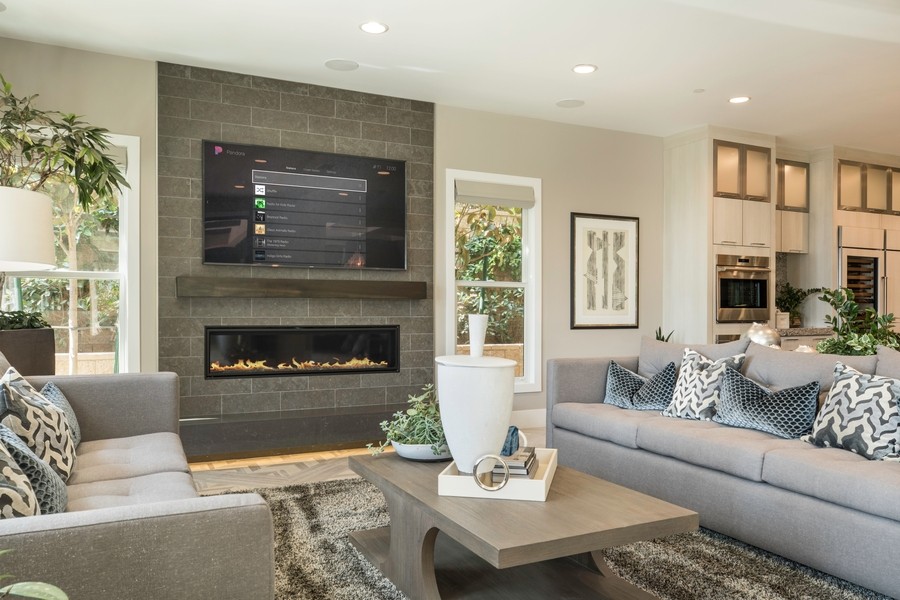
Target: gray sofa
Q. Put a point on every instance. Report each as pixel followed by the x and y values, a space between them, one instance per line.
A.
pixel 135 526
pixel 827 508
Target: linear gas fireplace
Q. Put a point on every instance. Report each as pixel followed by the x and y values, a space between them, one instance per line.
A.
pixel 279 351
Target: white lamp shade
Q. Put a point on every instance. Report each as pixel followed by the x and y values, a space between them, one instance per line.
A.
pixel 26 231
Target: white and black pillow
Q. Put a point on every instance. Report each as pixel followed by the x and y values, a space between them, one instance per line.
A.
pixel 627 389
pixel 49 488
pixel 17 497
pixel 697 389
pixel 54 395
pixel 40 424
pixel 860 414
pixel 787 413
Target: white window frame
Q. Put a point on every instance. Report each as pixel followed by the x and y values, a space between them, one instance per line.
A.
pixel 531 269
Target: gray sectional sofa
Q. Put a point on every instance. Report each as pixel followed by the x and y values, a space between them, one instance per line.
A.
pixel 827 508
pixel 135 527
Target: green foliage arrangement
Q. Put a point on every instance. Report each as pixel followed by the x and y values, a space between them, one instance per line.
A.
pixel 418 424
pixel 661 337
pixel 856 332
pixel 789 298
pixel 18 319
pixel 37 146
pixel 30 589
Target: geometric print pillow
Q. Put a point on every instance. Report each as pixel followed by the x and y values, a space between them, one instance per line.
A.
pixel 860 414
pixel 627 389
pixel 697 389
pixel 17 498
pixel 787 413
pixel 55 396
pixel 51 492
pixel 40 424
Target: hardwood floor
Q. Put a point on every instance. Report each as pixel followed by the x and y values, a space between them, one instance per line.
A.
pixel 216 477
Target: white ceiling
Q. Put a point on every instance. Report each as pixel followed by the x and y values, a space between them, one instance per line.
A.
pixel 820 72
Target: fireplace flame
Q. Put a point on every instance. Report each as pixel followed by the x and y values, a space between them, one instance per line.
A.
pixel 296 365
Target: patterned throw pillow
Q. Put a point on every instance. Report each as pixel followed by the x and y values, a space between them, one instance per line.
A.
pixel 697 388
pixel 49 488
pixel 53 394
pixel 17 497
pixel 629 390
pixel 787 413
pixel 861 415
pixel 41 425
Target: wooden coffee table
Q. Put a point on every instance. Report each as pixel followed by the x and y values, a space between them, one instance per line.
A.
pixel 452 547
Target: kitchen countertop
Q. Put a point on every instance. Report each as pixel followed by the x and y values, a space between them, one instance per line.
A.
pixel 798 331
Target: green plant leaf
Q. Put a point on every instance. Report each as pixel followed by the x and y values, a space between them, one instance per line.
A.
pixel 35 589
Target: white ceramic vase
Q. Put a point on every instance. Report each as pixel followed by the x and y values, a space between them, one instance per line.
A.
pixel 476 396
pixel 477 331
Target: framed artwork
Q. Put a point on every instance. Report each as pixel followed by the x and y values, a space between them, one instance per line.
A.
pixel 604 275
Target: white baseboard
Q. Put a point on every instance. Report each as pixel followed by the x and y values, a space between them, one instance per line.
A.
pixel 525 419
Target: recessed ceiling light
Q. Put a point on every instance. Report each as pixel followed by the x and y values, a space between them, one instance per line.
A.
pixel 699 90
pixel 340 64
pixel 570 103
pixel 584 68
pixel 374 27
pixel 739 99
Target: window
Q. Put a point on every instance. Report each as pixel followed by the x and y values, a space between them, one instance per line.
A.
pixel 90 300
pixel 492 266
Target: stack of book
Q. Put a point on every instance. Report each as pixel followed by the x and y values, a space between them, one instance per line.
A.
pixel 522 463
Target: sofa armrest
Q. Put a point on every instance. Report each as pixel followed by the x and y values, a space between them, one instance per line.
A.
pixel 210 547
pixel 120 405
pixel 578 380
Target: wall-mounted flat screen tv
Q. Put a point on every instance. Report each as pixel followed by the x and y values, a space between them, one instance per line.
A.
pixel 265 206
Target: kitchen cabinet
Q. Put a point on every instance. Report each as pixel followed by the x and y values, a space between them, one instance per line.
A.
pixel 795 341
pixel 741 171
pixel 741 222
pixel 793 185
pixel 873 188
pixel 792 232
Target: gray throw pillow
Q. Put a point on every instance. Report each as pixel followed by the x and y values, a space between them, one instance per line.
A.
pixel 626 389
pixel 54 395
pixel 860 414
pixel 49 488
pixel 17 497
pixel 697 389
pixel 787 413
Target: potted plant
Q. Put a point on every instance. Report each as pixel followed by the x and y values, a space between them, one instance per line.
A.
pixel 26 340
pixel 416 433
pixel 855 332
pixel 789 298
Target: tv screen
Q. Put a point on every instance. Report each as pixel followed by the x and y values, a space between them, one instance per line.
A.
pixel 267 206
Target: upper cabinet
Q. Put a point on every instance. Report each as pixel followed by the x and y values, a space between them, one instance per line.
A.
pixel 793 185
pixel 872 188
pixel 741 171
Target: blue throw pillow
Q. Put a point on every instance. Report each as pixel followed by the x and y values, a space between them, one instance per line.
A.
pixel 787 413
pixel 55 396
pixel 626 389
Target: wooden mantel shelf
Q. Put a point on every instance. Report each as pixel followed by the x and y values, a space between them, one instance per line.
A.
pixel 188 286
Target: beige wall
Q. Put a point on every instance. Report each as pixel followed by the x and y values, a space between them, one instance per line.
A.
pixel 112 92
pixel 582 170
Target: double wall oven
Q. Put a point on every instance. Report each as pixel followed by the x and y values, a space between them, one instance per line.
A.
pixel 742 288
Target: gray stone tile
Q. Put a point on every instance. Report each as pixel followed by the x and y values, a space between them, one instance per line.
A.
pixel 423 308
pixel 360 397
pixel 196 148
pixel 279 85
pixel 189 88
pixel 173 346
pixel 357 147
pixel 200 386
pixel 181 247
pixel 180 167
pixel 420 137
pixel 179 207
pixel 186 327
pixel 172 70
pixel 251 403
pixel 420 187
pixel 307 399
pixel 331 126
pixel 386 133
pixel 331 307
pixel 184 366
pixel 420 376
pixel 200 270
pixel 420 239
pixel 409 153
pixel 360 112
pixel 416 170
pixel 416 359
pixel 174 107
pixel 421 342
pixel 385 308
pixel 189 128
pixel 334 382
pixel 243 134
pixel 307 141
pixel 174 307
pixel 408 118
pixel 184 386
pixel 246 96
pixel 201 406
pixel 220 307
pixel 174 227
pixel 234 79
pixel 378 380
pixel 410 325
pixel 165 287
pixel 277 119
pixel 420 106
pixel 174 186
pixel 248 321
pixel 398 103
pixel 280 384
pixel 322 107
pixel 280 307
pixel 216 111
pixel 419 221
pixel 196 189
pixel 198 346
pixel 419 258
pixel 176 147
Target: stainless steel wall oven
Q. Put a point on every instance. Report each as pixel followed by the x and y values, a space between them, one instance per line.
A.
pixel 742 288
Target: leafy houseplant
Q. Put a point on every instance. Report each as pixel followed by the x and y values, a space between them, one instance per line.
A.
pixel 855 332
pixel 418 424
pixel 27 342
pixel 18 319
pixel 30 589
pixel 788 299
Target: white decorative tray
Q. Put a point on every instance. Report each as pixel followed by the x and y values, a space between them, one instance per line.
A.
pixel 451 483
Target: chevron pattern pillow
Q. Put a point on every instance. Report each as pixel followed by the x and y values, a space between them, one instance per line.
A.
pixel 860 414
pixel 787 413
pixel 699 381
pixel 17 497
pixel 49 488
pixel 627 389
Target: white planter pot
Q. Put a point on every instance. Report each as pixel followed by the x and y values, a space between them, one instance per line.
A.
pixel 477 331
pixel 420 452
pixel 476 396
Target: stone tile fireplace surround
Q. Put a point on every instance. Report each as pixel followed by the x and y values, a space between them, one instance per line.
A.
pixel 256 415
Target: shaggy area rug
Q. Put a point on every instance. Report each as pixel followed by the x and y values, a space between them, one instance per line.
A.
pixel 314 559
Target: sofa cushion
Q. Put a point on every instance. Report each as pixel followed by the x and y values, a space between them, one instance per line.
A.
pixel 888 363
pixel 833 475
pixel 697 388
pixel 655 355
pixel 738 452
pixel 48 486
pixel 601 421
pixel 626 389
pixel 40 424
pixel 861 414
pixel 157 487
pixel 55 396
pixel 17 497
pixel 119 458
pixel 787 413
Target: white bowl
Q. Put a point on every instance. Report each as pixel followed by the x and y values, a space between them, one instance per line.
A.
pixel 420 452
